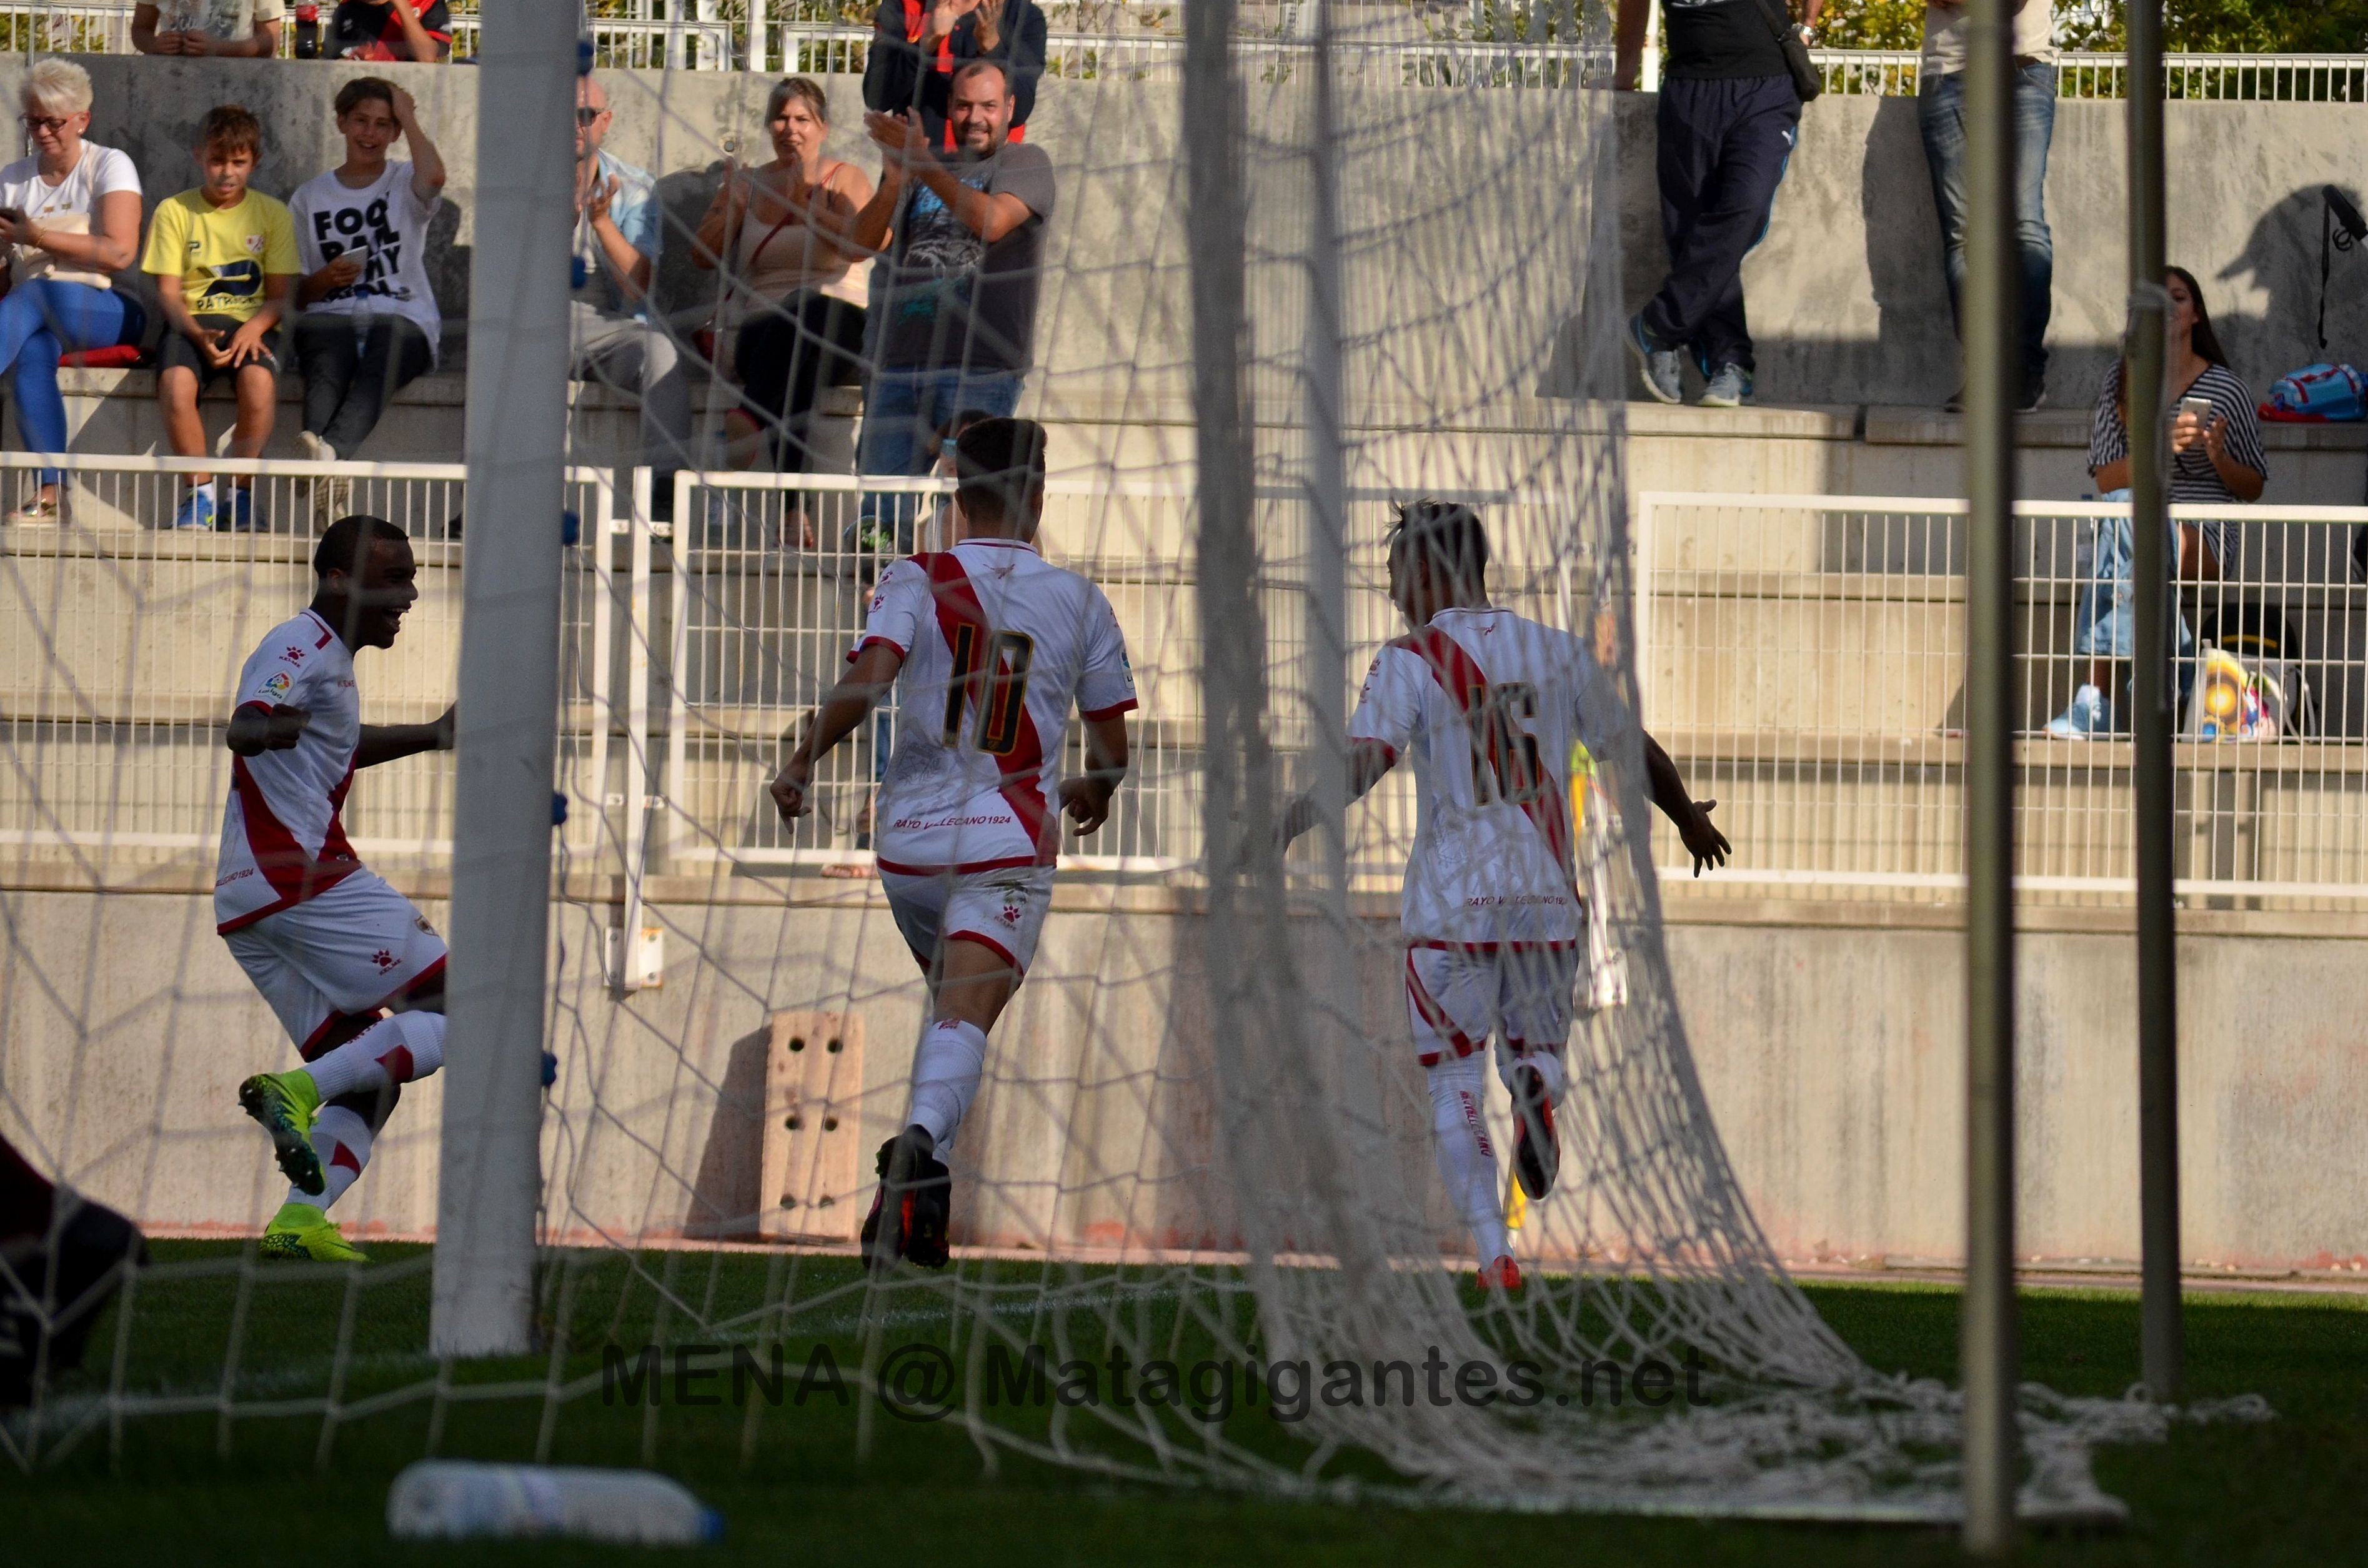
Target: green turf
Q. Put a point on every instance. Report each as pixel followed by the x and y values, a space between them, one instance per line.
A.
pixel 2284 1492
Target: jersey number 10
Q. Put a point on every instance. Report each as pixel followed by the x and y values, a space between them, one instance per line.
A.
pixel 1505 761
pixel 1002 672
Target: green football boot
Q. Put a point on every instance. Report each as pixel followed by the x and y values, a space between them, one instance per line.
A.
pixel 284 1104
pixel 300 1232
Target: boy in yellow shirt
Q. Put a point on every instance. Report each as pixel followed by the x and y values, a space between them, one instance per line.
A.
pixel 233 251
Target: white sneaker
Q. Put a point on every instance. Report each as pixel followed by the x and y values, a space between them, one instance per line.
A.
pixel 2085 720
pixel 332 498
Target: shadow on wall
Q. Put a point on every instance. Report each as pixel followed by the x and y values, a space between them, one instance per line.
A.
pixel 2280 264
pixel 724 1194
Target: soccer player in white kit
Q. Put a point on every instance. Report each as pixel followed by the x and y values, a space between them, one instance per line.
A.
pixel 1485 705
pixel 334 950
pixel 989 646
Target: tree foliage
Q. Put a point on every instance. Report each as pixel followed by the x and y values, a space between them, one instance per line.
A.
pixel 2195 26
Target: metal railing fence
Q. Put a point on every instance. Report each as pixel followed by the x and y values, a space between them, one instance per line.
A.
pixel 1145 45
pixel 104 26
pixel 1802 656
pixel 1805 661
pixel 123 637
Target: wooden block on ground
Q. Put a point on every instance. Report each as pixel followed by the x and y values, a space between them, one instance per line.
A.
pixel 814 1182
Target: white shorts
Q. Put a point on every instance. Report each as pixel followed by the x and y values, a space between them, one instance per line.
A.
pixel 337 957
pixel 1003 911
pixel 1457 998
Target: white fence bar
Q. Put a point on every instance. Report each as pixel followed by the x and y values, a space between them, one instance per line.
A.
pixel 1804 659
pixel 1803 656
pixel 104 26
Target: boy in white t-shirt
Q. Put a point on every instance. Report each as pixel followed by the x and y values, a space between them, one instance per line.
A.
pixel 370 324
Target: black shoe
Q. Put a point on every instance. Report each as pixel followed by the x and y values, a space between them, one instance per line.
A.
pixel 911 1206
pixel 1537 1152
pixel 2035 395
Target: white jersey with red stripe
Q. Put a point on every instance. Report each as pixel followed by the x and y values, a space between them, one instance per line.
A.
pixel 282 842
pixel 1484 707
pixel 1000 645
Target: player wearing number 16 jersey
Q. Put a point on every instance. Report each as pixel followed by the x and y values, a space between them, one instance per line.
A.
pixel 1484 705
pixel 989 646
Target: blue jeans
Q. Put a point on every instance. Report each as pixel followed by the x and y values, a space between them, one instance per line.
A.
pixel 900 423
pixel 1940 113
pixel 39 321
pixel 2104 619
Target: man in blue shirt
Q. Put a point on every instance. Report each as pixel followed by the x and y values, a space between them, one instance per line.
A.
pixel 619 230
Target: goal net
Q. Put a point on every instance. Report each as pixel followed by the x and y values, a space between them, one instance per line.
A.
pixel 1198 1231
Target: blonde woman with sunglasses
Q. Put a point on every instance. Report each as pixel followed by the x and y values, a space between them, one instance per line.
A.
pixel 69 222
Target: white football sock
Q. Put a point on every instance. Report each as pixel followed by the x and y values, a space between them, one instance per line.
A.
pixel 946 1070
pixel 1467 1160
pixel 400 1050
pixel 342 1139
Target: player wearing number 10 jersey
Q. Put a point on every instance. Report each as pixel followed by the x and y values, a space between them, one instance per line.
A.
pixel 990 646
pixel 1484 705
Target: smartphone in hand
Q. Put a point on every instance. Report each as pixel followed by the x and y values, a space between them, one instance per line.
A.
pixel 2201 407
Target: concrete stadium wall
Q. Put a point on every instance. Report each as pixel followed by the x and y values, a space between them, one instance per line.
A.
pixel 1829 1044
pixel 1846 295
pixel 1846 291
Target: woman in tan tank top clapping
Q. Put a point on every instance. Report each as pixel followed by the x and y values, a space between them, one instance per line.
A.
pixel 791 321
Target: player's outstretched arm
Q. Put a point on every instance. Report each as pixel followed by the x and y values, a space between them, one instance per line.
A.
pixel 1086 798
pixel 1368 761
pixel 386 743
pixel 850 703
pixel 1703 842
pixel 256 729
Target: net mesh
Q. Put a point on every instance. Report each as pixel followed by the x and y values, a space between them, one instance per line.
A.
pixel 1203 1139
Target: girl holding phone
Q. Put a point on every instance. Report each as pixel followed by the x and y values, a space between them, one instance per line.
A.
pixel 2215 460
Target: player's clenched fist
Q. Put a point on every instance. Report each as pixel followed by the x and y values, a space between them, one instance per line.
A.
pixel 1087 799
pixel 792 790
pixel 254 729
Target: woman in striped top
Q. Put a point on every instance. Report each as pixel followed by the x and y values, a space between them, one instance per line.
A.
pixel 2215 461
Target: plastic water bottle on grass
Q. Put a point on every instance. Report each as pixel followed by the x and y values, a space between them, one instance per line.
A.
pixel 458 1499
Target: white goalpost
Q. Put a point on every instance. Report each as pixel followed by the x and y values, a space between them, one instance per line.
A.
pixel 489 1181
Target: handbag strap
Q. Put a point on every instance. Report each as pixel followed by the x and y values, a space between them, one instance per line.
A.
pixel 829 171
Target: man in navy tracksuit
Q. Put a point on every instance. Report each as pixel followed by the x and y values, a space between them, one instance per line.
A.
pixel 1728 117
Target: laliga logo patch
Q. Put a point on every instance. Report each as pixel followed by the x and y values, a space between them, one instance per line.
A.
pixel 276 686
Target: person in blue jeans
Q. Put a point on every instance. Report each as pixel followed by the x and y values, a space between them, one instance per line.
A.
pixel 69 222
pixel 1725 129
pixel 2215 461
pixel 1940 113
pixel 962 238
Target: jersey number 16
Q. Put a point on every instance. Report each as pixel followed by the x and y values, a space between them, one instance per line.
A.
pixel 1505 761
pixel 1003 674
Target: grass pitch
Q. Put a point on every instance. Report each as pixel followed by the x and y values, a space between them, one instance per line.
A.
pixel 794 1487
